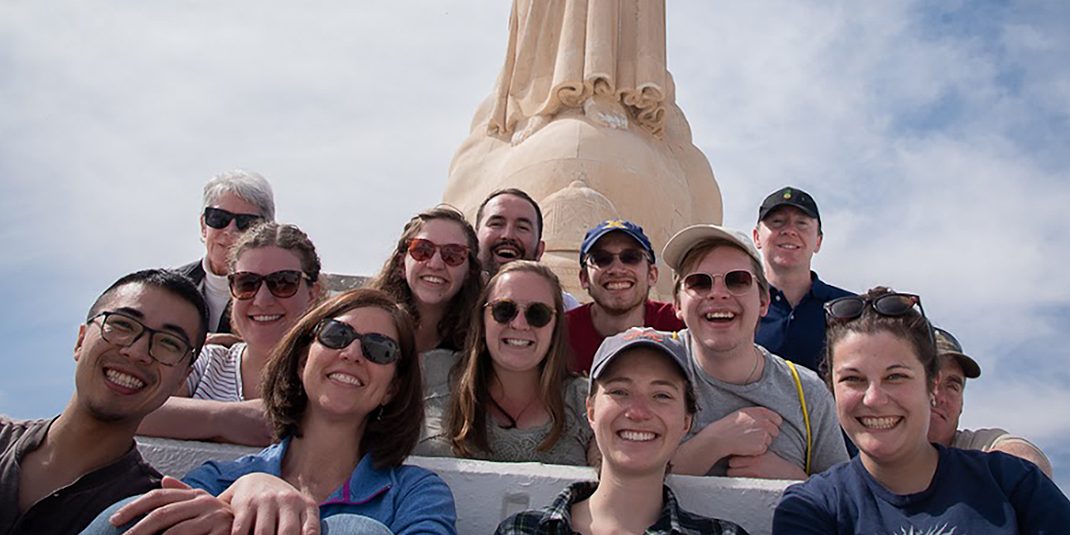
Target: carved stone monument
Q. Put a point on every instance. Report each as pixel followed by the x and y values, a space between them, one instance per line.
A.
pixel 583 118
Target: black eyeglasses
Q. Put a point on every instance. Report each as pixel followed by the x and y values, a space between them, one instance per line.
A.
pixel 219 218
pixel 603 259
pixel 892 305
pixel 281 284
pixel 375 347
pixel 737 281
pixel 536 314
pixel 166 348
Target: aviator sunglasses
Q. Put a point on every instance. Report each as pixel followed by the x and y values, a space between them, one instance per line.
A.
pixel 281 284
pixel 218 218
pixel 603 259
pixel 891 305
pixel 737 281
pixel 422 250
pixel 375 347
pixel 536 314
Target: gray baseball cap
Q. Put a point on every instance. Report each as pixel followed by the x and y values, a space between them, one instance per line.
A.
pixel 669 343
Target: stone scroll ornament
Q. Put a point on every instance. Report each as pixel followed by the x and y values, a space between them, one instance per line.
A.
pixel 583 118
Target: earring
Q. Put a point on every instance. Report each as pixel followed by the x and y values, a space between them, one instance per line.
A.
pixel 379 417
pixel 932 400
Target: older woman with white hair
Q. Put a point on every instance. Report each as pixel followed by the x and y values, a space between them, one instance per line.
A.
pixel 233 202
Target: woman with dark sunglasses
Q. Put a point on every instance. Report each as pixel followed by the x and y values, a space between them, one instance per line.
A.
pixel 434 272
pixel 343 392
pixel 274 278
pixel 509 396
pixel 883 367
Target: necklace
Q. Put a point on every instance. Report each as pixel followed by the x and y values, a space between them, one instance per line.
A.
pixel 757 360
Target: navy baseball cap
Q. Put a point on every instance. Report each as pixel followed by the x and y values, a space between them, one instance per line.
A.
pixel 669 343
pixel 613 225
pixel 789 196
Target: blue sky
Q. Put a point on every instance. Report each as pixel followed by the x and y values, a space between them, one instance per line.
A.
pixel 933 135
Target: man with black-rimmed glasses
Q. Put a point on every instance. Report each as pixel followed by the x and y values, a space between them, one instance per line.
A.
pixel 617 270
pixel 139 340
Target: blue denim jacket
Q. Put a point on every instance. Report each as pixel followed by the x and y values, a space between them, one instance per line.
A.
pixel 407 499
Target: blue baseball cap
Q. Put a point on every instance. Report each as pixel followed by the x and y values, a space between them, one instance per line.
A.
pixel 613 225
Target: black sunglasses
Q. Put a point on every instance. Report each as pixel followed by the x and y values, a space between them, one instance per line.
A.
pixel 219 218
pixel 375 347
pixel 891 305
pixel 536 314
pixel 603 259
pixel 281 284
pixel 737 281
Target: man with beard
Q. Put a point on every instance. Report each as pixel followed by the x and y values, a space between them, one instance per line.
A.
pixel 133 351
pixel 955 368
pixel 509 227
pixel 617 270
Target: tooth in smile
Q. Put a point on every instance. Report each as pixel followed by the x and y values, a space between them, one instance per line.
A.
pixel 619 285
pixel 723 315
pixel 124 379
pixel 345 378
pixel 637 436
pixel 432 279
pixel 879 423
pixel 517 342
pixel 266 317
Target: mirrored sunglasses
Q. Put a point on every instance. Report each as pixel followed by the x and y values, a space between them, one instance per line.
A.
pixel 603 259
pixel 737 281
pixel 281 284
pixel 422 250
pixel 375 347
pixel 536 314
pixel 218 218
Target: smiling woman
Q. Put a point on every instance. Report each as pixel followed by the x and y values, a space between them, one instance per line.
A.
pixel 509 396
pixel 883 365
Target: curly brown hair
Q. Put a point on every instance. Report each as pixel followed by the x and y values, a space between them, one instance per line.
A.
pixel 473 373
pixel 389 437
pixel 453 326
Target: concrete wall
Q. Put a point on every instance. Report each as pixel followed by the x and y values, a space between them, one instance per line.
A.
pixel 487 492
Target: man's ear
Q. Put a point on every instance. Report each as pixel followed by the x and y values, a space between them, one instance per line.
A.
pixel 817 244
pixel 78 343
pixel 652 275
pixel 539 250
pixel 585 278
pixel 754 236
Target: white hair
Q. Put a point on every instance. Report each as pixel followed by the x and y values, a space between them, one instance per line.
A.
pixel 250 186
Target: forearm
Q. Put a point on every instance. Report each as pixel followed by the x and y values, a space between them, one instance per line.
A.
pixel 240 422
pixel 696 456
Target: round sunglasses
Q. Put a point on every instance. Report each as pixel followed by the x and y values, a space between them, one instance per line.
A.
pixel 281 284
pixel 536 314
pixel 375 347
pixel 452 254
pixel 603 259
pixel 737 281
pixel 219 218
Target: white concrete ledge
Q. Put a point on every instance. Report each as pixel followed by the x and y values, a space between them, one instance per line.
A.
pixel 488 492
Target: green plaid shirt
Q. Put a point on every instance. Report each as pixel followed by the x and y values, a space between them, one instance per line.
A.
pixel 556 519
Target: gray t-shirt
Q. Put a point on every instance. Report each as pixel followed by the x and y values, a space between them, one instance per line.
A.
pixel 507 445
pixel 775 390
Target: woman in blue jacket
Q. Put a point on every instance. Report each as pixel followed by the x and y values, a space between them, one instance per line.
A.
pixel 343 392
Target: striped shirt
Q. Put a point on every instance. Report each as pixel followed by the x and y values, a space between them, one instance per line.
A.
pixel 217 374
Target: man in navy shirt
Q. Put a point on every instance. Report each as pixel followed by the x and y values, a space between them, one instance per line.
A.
pixel 788 234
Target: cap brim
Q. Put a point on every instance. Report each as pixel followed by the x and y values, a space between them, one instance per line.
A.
pixel 970 368
pixel 685 240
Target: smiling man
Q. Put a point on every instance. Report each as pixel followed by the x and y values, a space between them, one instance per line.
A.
pixel 752 403
pixel 617 270
pixel 955 368
pixel 789 234
pixel 135 348
pixel 509 227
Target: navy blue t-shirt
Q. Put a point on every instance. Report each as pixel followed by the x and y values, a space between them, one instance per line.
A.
pixel 798 334
pixel 972 492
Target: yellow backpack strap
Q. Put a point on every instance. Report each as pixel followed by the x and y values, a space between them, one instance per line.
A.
pixel 805 411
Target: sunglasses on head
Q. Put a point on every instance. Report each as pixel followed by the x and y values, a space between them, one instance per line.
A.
pixel 891 305
pixel 375 347
pixel 536 314
pixel 603 259
pixel 285 283
pixel 218 218
pixel 737 281
pixel 452 254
